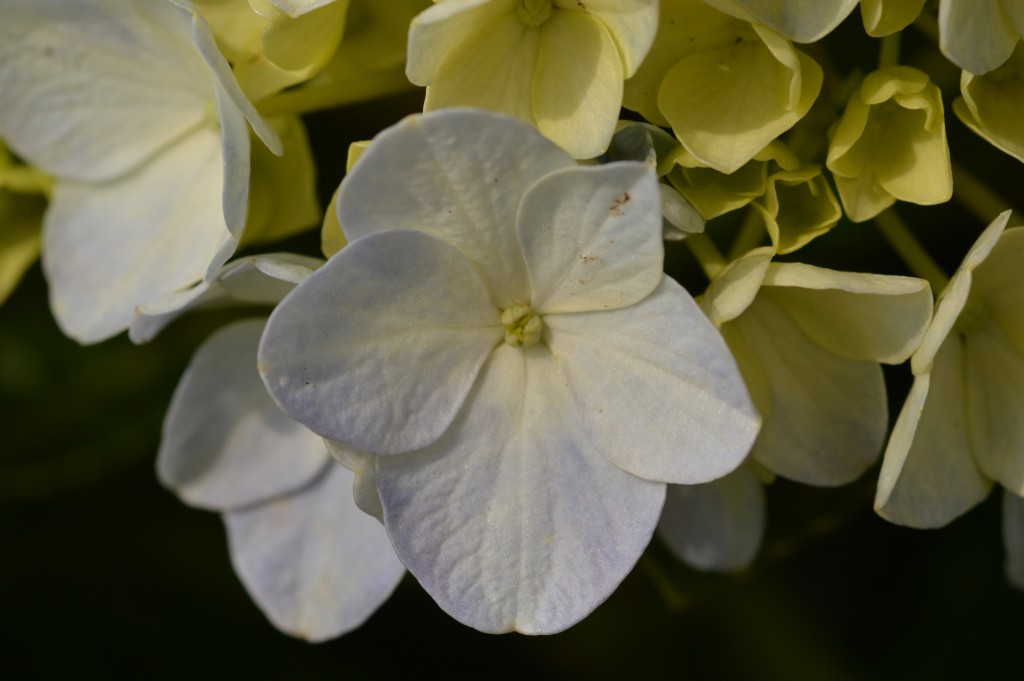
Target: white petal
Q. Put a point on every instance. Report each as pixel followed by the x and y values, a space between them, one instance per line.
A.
pixel 1013 538
pixel 440 173
pixel 315 564
pixel 995 403
pixel 977 36
pixel 717 525
pixel 825 416
pixel 591 237
pixel 226 85
pixel 928 475
pixel 379 347
pixel 236 169
pixel 257 279
pixel 225 443
pixel 872 317
pixel 656 389
pixel 511 521
pixel 109 247
pixel 90 89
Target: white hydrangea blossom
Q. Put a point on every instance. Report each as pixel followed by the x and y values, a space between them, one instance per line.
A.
pixel 313 562
pixel 499 333
pixel 116 100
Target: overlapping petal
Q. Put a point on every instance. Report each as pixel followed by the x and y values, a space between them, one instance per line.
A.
pixel 866 317
pixel 259 280
pixel 632 23
pixel 508 521
pixel 928 476
pixel 225 443
pixel 315 564
pixel 658 361
pixel 591 238
pixel 110 247
pixel 577 85
pixel 717 525
pixel 825 415
pixel 380 346
pixel 91 89
pixel 445 179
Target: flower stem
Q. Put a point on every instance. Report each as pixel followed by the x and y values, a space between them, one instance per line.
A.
pixel 909 248
pixel 751 235
pixel 889 55
pixel 707 254
pixel 975 196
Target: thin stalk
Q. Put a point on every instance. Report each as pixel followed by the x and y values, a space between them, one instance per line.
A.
pixel 889 54
pixel 975 195
pixel 910 250
pixel 707 254
pixel 751 235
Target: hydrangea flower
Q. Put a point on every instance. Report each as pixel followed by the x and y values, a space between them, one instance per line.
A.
pixel 117 100
pixel 726 87
pixel 960 428
pixel 890 144
pixel 313 562
pixel 808 342
pixel 557 64
pixel 498 333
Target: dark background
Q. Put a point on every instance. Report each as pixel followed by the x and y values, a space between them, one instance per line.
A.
pixel 104 574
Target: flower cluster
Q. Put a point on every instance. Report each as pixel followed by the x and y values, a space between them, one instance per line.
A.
pixel 489 380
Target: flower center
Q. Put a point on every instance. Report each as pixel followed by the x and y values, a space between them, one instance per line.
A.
pixel 522 326
pixel 535 12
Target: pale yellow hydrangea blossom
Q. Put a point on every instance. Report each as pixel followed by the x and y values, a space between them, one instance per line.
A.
pixel 890 144
pixel 960 430
pixel 727 87
pixel 557 64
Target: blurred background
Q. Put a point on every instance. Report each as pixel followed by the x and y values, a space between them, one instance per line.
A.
pixel 105 574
